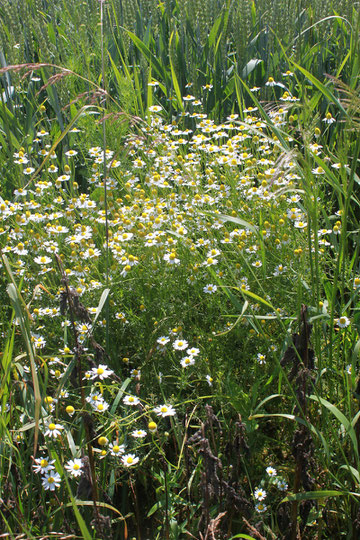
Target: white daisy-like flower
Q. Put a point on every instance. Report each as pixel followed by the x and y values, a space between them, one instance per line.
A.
pixel 43 465
pixel 101 407
pixel 282 485
pixel 116 449
pixel 187 361
pixel 138 433
pixel 180 344
pixel 270 82
pixel 318 171
pixel 129 460
pixel 271 471
pixel 260 507
pixel 193 351
pixel 209 380
pixel 210 289
pixel 131 400
pixel 163 340
pixel 259 494
pixel 165 410
pixel 102 372
pixel 74 467
pixel 189 97
pixel 329 119
pixel 300 224
pixel 280 269
pixel 94 398
pixel 71 153
pixel 51 481
pixel 43 260
pixel 53 430
pixel 155 108
pixel 343 322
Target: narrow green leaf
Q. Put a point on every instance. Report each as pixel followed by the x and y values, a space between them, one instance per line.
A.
pixel 255 297
pixel 119 395
pixel 341 417
pixel 173 75
pixel 310 495
pixel 148 54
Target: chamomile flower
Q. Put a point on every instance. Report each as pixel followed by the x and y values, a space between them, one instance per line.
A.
pixel 282 485
pixel 193 351
pixel 165 410
pixel 42 260
pixel 187 361
pixel 260 507
pixel 271 471
pixel 209 380
pixel 53 430
pixel 71 153
pixel 138 433
pixel 74 467
pixel 129 460
pixel 180 344
pixel 116 449
pixel 51 481
pixel 94 398
pixel 101 372
pixel 259 494
pixel 343 322
pixel 43 465
pixel 163 340
pixel 155 108
pixel 329 119
pixel 152 427
pixel 131 400
pixel 101 407
pixel 270 82
pixel 210 289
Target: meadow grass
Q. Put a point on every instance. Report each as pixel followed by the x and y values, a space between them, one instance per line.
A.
pixel 180 300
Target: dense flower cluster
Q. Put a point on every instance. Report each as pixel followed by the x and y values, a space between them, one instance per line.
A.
pixel 207 207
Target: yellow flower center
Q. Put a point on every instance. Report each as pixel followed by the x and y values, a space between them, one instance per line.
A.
pixel 164 409
pixel 102 441
pixel 44 463
pixel 52 427
pixel 129 460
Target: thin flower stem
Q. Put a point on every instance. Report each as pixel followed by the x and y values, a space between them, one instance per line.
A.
pixel 107 315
